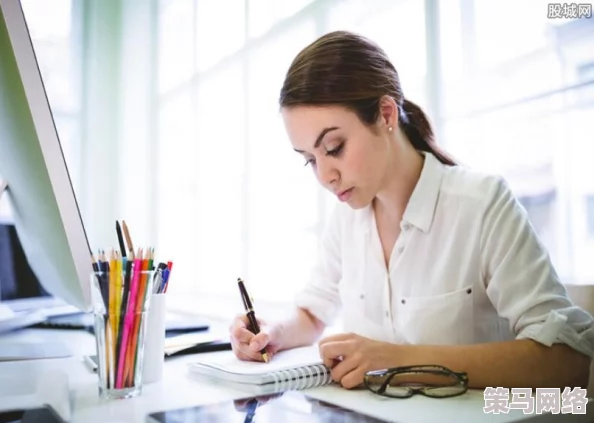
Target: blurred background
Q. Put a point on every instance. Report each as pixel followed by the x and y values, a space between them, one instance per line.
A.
pixel 168 116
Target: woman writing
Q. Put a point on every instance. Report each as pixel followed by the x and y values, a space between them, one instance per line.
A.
pixel 430 262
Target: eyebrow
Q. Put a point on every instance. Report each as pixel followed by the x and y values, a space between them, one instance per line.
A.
pixel 320 137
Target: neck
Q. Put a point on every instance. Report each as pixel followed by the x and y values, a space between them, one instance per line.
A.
pixel 400 183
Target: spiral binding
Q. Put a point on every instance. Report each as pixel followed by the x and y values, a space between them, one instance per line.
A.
pixel 301 378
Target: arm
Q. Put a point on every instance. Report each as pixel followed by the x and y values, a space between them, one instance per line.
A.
pixel 317 303
pixel 301 329
pixel 554 339
pixel 512 364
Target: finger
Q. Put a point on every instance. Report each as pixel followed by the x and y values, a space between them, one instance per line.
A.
pixel 241 320
pixel 267 398
pixel 241 404
pixel 251 350
pixel 331 363
pixel 343 368
pixel 336 350
pixel 245 355
pixel 259 341
pixel 353 379
pixel 243 351
pixel 242 335
pixel 338 337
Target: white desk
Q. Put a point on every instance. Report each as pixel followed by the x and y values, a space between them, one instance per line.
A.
pixel 177 389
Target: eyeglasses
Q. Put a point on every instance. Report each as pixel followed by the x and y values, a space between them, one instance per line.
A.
pixel 404 382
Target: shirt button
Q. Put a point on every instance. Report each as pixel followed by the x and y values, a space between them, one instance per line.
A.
pixel 406 226
pixel 400 249
pixel 387 313
pixel 361 296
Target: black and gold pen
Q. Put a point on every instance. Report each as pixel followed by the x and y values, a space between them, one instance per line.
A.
pixel 251 315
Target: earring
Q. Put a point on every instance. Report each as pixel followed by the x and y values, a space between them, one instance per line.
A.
pixel 389 129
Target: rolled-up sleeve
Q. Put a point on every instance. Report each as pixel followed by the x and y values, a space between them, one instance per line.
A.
pixel 320 296
pixel 521 281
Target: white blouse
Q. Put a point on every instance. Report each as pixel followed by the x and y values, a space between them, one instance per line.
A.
pixel 466 268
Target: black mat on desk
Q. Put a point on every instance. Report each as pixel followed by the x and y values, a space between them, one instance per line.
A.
pixel 176 324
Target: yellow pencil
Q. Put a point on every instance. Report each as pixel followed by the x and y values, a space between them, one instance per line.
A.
pixel 112 303
pixel 118 293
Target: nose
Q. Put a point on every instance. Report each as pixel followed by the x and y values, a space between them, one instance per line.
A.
pixel 327 173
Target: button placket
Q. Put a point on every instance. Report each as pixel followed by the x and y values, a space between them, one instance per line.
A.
pixel 386 303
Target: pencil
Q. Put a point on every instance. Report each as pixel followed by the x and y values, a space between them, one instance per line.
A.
pixel 128 239
pixel 142 293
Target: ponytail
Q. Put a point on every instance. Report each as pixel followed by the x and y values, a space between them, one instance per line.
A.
pixel 417 128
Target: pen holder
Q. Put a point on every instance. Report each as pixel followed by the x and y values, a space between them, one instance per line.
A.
pixel 121 306
pixel 154 350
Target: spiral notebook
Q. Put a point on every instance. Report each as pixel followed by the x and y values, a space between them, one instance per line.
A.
pixel 298 368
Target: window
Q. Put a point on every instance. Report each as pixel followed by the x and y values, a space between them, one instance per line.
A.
pixel 513 105
pixel 176 199
pixel 220 20
pixel 589 201
pixel 232 198
pixel 282 193
pixel 264 14
pixel 219 171
pixel 176 43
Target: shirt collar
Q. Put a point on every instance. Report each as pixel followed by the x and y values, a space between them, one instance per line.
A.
pixel 421 206
pixel 423 201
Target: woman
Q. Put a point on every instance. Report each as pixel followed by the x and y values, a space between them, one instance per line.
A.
pixel 431 263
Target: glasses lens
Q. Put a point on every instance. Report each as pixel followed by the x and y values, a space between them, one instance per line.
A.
pixel 445 391
pixel 436 384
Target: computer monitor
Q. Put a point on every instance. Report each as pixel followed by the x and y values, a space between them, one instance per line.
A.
pixel 44 207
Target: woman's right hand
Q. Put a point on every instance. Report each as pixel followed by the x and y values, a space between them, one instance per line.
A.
pixel 247 346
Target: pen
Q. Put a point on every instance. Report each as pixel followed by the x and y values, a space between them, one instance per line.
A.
pixel 91 365
pixel 120 239
pixel 251 315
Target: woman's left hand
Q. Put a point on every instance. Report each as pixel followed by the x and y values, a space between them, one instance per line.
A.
pixel 350 356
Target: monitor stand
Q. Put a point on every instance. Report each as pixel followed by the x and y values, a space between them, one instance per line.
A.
pixel 3 186
pixel 5 311
pixel 11 318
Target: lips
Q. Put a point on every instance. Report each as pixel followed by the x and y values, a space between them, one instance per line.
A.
pixel 345 195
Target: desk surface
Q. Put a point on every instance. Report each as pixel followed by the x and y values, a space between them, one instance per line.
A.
pixel 177 390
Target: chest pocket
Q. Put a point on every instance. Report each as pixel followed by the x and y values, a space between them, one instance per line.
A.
pixel 445 319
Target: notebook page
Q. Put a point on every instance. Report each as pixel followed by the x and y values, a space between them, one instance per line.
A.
pixel 229 367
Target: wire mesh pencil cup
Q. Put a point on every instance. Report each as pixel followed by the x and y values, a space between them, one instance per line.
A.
pixel 121 301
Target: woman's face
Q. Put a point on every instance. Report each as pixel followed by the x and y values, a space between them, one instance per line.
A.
pixel 348 158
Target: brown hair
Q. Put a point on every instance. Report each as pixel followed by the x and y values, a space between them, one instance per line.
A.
pixel 346 69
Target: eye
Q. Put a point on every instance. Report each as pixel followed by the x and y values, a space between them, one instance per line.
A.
pixel 336 151
pixel 310 161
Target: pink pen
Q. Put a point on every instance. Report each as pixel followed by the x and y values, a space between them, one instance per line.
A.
pixel 128 322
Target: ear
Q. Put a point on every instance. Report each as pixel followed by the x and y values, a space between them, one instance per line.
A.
pixel 388 116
